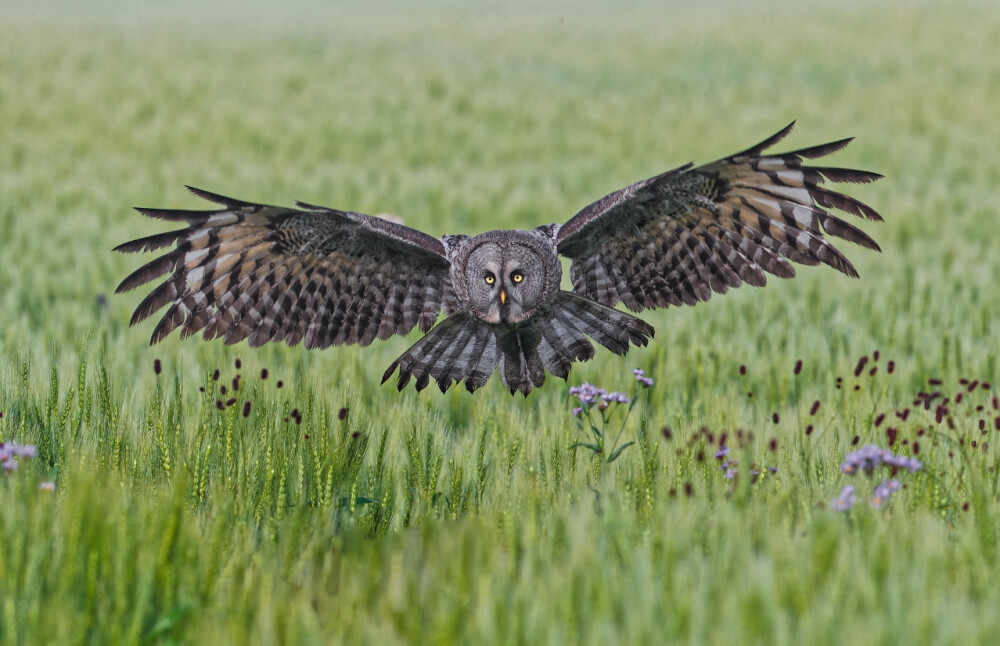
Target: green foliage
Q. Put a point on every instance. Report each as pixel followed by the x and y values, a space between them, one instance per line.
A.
pixel 332 509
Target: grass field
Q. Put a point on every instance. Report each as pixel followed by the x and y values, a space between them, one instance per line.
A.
pixel 368 516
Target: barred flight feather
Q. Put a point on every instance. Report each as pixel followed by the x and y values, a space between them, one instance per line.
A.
pixel 681 236
pixel 264 273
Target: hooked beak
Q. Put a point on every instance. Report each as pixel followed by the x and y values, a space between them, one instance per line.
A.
pixel 503 296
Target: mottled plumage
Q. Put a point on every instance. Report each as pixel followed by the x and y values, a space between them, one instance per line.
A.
pixel 327 277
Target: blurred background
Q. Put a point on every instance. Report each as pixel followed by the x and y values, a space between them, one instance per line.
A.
pixel 461 118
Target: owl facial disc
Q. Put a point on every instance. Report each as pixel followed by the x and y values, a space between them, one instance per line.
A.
pixel 507 276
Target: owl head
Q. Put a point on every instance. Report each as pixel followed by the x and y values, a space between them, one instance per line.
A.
pixel 506 276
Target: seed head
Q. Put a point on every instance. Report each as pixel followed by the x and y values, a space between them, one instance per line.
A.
pixel 861 366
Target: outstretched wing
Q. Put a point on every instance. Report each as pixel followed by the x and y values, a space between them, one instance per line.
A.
pixel 267 273
pixel 675 238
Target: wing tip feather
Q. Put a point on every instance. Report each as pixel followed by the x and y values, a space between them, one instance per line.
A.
pixel 228 202
pixel 767 143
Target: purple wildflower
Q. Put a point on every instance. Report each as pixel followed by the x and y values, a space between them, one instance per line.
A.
pixel 576 411
pixel 884 491
pixel 11 452
pixel 587 393
pixel 728 467
pixel 845 500
pixel 866 459
pixel 901 462
pixel 870 457
pixel 590 395
pixel 615 397
pixel 640 376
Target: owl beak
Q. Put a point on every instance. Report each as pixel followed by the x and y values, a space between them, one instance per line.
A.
pixel 503 296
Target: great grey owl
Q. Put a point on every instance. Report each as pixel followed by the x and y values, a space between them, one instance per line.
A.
pixel 330 277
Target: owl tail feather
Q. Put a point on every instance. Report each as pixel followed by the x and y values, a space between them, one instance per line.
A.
pixel 459 347
pixel 464 348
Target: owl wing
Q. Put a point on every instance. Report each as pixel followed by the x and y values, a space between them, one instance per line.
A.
pixel 675 238
pixel 267 273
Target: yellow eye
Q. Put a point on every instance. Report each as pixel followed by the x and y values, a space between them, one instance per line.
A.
pixel 490 280
pixel 517 277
